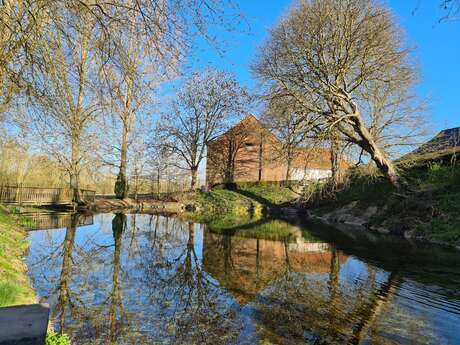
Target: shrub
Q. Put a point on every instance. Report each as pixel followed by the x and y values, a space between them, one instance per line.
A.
pixel 57 339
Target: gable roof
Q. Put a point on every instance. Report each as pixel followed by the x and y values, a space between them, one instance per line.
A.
pixel 246 123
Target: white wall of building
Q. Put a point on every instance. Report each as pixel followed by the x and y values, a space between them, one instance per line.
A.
pixel 310 174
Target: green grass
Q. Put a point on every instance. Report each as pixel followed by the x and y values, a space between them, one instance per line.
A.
pixel 8 293
pixel 220 202
pixel 15 287
pixel 275 230
pixel 57 339
pixel 270 194
pixel 246 200
pixel 240 211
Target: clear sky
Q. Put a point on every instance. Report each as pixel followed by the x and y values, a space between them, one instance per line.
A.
pixel 437 50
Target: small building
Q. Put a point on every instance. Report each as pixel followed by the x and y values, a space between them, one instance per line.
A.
pixel 249 152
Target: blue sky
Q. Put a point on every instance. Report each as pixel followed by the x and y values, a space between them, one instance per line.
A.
pixel 437 51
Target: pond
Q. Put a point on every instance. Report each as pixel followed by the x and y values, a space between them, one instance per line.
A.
pixel 152 279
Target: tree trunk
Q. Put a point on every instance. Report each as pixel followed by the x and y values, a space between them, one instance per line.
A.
pixel 118 226
pixel 336 172
pixel 75 166
pixel 288 169
pixel 121 185
pixel 368 143
pixel 261 156
pixel 64 281
pixel 193 171
pixel 158 183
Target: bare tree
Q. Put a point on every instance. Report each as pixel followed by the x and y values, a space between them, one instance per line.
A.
pixel 202 110
pixel 54 42
pixel 63 93
pixel 325 53
pixel 291 128
pixel 138 65
pixel 452 8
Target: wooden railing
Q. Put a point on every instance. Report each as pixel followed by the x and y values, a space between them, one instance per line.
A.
pixel 41 196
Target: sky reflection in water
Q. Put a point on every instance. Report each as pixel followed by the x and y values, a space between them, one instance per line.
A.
pixel 143 279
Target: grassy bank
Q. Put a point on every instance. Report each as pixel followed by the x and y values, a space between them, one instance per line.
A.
pixel 428 205
pixel 15 287
pixel 240 205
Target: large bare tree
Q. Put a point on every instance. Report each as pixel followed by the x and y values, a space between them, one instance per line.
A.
pixel 64 100
pixel 325 53
pixel 136 68
pixel 203 109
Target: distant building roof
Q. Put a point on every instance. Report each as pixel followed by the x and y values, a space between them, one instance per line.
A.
pixel 444 140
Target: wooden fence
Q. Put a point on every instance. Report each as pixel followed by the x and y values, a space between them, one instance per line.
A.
pixel 41 196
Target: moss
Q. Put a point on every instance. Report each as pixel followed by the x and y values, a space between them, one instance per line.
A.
pixel 15 287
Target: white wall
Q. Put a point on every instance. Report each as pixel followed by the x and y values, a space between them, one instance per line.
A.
pixel 310 174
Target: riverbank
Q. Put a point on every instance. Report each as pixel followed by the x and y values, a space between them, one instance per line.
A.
pixel 145 205
pixel 244 203
pixel 426 208
pixel 15 285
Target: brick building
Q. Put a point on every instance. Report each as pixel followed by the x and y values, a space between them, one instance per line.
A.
pixel 249 152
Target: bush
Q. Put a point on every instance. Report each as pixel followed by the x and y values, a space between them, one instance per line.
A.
pixel 57 339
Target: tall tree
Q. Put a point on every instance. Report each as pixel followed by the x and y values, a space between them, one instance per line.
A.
pixel 136 67
pixel 204 107
pixel 63 93
pixel 324 53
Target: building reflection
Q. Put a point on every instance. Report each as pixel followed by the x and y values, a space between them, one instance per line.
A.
pixel 246 266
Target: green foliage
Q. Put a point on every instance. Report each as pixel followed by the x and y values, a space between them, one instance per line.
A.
pixel 57 339
pixel 222 201
pixel 446 227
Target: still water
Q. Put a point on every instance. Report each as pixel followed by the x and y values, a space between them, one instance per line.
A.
pixel 150 279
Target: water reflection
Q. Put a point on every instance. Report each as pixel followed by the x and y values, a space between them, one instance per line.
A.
pixel 141 279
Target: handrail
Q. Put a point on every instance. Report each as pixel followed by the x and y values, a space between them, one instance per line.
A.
pixel 41 195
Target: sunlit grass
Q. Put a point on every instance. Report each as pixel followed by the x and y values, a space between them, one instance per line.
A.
pixel 276 230
pixel 15 286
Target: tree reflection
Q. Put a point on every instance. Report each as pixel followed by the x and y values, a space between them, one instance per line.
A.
pixel 116 310
pixel 65 300
pixel 156 279
pixel 192 307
